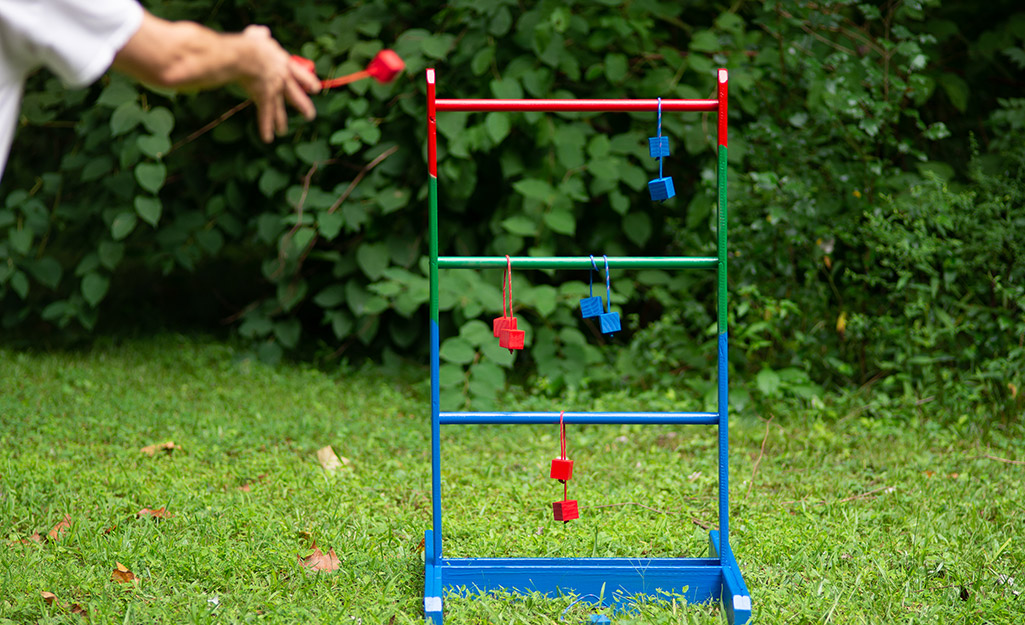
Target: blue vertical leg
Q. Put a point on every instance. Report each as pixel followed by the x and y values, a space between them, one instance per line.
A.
pixel 736 600
pixel 432 539
pixel 724 444
pixel 432 582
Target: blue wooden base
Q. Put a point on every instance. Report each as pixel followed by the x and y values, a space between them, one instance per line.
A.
pixel 616 580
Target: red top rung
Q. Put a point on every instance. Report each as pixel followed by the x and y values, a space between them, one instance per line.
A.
pixel 548 106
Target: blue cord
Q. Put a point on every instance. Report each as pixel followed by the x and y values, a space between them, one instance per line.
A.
pixel 590 278
pixel 660 137
pixel 608 285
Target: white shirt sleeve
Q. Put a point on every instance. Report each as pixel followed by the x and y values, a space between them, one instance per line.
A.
pixel 76 39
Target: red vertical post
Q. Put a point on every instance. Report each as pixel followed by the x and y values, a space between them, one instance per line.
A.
pixel 724 83
pixel 432 133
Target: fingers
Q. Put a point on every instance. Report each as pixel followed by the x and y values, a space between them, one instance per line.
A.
pixel 296 96
pixel 278 79
pixel 306 78
pixel 265 121
pixel 280 117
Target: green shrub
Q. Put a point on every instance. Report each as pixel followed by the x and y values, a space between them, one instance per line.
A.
pixel 842 117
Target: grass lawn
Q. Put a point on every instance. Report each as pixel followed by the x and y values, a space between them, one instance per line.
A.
pixel 845 512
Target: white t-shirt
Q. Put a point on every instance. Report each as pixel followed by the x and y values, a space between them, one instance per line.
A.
pixel 75 39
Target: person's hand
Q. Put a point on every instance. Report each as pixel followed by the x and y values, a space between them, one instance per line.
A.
pixel 272 78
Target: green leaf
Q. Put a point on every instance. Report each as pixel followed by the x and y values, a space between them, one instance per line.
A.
pixel 94 288
pixel 534 188
pixel 125 117
pixel 437 46
pixel 21 240
pixel 767 381
pixel 561 221
pixel 210 239
pixel 520 225
pixel 616 67
pixel 159 121
pixel 329 224
pixel 110 253
pixel 372 258
pixel 272 181
pixel 637 227
pixel 544 299
pixel 392 199
pixel 704 41
pixel 330 296
pixel 457 350
pixel 123 225
pixel 149 209
pixel 117 93
pixel 450 375
pixel 313 151
pixel 19 282
pixel 96 167
pixel 501 22
pixel 956 89
pixel 153 146
pixel 341 323
pixel 730 21
pixel 287 332
pixel 477 332
pixel 269 352
pixel 488 375
pixel 291 293
pixel 47 271
pixel 482 60
pixel 255 325
pixel 497 125
pixel 506 88
pixel 150 176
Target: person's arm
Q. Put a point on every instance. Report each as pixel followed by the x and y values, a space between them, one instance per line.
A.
pixel 187 55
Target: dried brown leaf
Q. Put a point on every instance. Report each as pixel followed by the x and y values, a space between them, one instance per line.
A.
pixel 151 450
pixel 122 575
pixel 245 488
pixel 64 524
pixel 319 561
pixel 31 540
pixel 329 460
pixel 74 608
pixel 159 513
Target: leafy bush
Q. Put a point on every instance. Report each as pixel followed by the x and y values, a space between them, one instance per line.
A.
pixel 843 115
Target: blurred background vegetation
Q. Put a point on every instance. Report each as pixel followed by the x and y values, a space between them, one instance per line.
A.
pixel 877 183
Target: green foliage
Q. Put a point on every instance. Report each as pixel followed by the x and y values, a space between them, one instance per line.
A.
pixel 841 115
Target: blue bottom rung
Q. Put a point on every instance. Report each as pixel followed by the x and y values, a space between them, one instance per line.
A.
pixel 617 580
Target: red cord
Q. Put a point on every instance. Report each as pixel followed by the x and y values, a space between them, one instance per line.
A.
pixel 562 434
pixel 562 442
pixel 508 273
pixel 505 278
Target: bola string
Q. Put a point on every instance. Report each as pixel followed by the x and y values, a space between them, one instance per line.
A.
pixel 562 434
pixel 608 285
pixel 505 278
pixel 508 273
pixel 660 136
pixel 590 277
pixel 562 442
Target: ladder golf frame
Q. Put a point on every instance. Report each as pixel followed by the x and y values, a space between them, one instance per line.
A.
pixel 716 577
